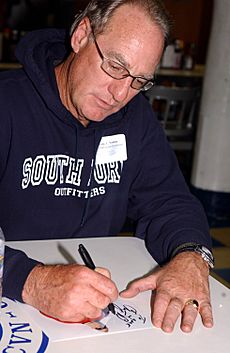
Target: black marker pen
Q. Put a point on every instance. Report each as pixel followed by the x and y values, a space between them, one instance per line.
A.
pixel 86 258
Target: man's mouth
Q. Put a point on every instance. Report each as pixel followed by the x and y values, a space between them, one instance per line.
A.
pixel 104 104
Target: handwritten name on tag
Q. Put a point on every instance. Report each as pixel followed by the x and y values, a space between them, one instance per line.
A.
pixel 111 149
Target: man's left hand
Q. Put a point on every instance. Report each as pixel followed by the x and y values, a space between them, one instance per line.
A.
pixel 183 279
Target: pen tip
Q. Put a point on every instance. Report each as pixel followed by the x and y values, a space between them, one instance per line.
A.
pixel 111 308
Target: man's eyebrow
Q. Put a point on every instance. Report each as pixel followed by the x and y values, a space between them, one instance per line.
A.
pixel 113 55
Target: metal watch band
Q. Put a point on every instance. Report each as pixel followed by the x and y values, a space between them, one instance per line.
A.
pixel 205 253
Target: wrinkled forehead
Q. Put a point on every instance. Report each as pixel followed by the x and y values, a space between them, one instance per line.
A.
pixel 132 34
pixel 131 18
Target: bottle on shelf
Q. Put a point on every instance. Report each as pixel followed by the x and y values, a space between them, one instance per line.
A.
pixel 179 51
pixel 6 34
pixel 10 39
pixel 189 57
pixel 168 57
pixel 14 38
pixel 172 57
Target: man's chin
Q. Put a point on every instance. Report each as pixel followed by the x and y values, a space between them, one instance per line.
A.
pixel 95 118
pixel 98 115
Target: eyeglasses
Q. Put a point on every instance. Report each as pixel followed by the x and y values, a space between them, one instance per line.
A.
pixel 119 72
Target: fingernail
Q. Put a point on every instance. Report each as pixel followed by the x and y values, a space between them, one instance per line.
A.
pixel 167 327
pixel 157 323
pixel 186 328
pixel 208 324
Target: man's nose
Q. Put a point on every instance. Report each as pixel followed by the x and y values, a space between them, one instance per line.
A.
pixel 120 88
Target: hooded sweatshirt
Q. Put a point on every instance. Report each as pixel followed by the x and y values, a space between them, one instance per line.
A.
pixel 59 179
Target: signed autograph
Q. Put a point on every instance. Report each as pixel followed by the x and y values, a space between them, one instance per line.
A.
pixel 128 314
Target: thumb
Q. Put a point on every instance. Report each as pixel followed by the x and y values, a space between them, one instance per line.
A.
pixel 138 286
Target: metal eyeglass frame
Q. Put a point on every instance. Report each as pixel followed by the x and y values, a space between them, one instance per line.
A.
pixel 146 85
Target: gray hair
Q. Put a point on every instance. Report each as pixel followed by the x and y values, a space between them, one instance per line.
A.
pixel 100 11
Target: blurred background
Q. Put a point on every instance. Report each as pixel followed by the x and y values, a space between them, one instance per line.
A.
pixel 197 57
pixel 192 18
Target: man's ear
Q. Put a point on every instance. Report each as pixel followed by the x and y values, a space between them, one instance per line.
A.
pixel 81 34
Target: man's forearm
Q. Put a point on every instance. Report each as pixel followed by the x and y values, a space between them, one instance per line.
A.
pixel 17 267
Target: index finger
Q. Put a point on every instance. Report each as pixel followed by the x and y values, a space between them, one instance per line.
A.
pixel 104 284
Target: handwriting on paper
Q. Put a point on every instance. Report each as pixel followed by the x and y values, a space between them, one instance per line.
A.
pixel 128 314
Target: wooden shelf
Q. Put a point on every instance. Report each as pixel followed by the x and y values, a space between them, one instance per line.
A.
pixel 198 71
pixel 9 66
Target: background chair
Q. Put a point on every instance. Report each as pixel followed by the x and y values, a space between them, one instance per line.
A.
pixel 176 109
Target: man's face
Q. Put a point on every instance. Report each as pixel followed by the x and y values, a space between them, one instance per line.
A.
pixel 129 39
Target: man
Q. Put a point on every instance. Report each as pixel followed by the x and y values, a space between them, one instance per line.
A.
pixel 80 150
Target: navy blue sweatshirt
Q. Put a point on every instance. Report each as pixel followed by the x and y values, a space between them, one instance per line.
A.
pixel 59 179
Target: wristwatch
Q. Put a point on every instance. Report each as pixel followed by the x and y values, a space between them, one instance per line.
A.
pixel 205 253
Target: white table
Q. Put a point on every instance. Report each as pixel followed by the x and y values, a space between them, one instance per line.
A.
pixel 127 259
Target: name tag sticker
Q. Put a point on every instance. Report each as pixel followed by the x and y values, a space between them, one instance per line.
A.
pixel 112 149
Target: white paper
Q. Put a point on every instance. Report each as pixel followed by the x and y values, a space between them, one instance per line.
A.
pixel 131 314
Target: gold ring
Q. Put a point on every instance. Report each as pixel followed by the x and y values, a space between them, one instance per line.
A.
pixel 192 302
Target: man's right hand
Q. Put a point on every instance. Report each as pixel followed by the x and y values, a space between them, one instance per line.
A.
pixel 69 292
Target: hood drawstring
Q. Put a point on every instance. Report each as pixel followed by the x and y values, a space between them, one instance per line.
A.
pixel 76 145
pixel 86 208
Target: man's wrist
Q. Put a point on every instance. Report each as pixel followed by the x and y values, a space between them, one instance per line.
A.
pixel 200 249
pixel 28 288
